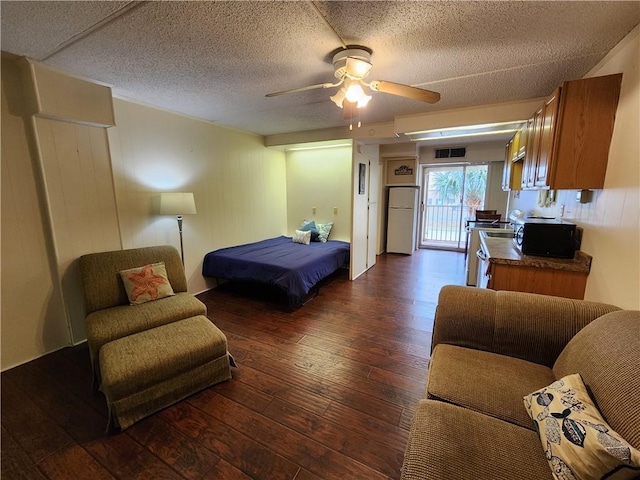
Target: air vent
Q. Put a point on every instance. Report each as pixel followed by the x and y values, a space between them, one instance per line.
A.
pixel 451 152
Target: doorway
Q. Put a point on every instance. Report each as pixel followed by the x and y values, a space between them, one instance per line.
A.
pixel 451 194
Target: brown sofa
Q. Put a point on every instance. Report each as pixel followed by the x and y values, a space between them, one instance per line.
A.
pixel 489 350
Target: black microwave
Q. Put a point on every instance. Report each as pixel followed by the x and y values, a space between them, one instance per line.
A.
pixel 546 237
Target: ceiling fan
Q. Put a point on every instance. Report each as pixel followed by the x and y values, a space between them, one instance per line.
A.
pixel 351 65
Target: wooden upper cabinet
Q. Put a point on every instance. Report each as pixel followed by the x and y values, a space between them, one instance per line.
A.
pixel 549 115
pixel 583 133
pixel 566 143
pixel 506 171
pixel 522 140
pixel 532 149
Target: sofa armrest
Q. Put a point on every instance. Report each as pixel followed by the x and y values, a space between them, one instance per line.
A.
pixel 523 325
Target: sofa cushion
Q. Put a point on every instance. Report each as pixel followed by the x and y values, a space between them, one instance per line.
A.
pixel 576 440
pixel 485 382
pixel 102 285
pixel 452 443
pixel 104 326
pixel 606 354
pixel 146 283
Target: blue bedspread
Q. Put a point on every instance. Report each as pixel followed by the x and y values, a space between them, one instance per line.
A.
pixel 292 267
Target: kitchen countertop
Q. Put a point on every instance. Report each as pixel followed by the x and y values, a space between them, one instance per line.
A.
pixel 503 251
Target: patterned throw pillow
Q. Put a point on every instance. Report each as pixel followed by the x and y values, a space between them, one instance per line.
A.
pixel 577 442
pixel 311 226
pixel 324 229
pixel 147 283
pixel 303 237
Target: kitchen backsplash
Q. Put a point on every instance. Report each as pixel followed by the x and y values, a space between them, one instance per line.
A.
pixel 566 206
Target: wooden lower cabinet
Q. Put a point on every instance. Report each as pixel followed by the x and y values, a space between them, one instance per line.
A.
pixel 546 281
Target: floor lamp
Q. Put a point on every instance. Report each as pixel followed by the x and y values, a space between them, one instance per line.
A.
pixel 178 204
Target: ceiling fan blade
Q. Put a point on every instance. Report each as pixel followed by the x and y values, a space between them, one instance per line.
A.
pixel 302 89
pixel 405 91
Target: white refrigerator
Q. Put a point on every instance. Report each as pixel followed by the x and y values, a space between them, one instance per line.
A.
pixel 402 220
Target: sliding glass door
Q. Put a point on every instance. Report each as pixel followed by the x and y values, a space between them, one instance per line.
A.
pixel 450 196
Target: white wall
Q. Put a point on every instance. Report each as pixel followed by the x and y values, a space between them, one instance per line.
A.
pixel 321 179
pixel 239 186
pixel 611 222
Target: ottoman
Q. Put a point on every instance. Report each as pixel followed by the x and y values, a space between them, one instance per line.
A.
pixel 148 371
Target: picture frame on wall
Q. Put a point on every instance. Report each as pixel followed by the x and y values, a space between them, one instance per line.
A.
pixel 362 177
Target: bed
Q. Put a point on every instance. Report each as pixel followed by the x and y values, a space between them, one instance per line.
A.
pixel 292 267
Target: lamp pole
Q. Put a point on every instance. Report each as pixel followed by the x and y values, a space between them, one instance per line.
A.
pixel 179 217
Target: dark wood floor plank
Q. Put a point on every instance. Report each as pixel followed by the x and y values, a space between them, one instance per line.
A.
pixel 126 459
pixel 284 390
pixel 81 421
pixel 311 455
pixel 407 417
pixel 185 455
pixel 15 464
pixel 395 364
pixel 363 448
pixel 223 470
pixel 67 463
pixel 368 425
pixel 399 381
pixel 305 475
pixel 327 391
pixel 29 425
pixel 248 455
pixel 345 376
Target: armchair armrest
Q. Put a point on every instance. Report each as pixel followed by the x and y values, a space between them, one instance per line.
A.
pixel 528 326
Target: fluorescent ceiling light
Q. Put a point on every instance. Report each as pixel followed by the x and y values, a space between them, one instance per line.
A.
pixel 295 149
pixel 470 134
pixel 468 127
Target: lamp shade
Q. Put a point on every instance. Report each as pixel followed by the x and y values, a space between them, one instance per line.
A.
pixel 177 204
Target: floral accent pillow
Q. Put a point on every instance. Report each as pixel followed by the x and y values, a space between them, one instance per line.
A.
pixel 303 237
pixel 147 283
pixel 577 442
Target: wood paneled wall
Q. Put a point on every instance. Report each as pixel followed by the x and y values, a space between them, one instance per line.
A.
pixel 33 315
pixel 82 208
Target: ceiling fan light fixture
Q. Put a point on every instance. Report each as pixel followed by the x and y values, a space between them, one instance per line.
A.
pixel 354 91
pixel 338 98
pixel 357 68
pixel 364 100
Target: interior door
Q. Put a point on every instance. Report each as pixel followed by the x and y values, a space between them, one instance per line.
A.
pixel 374 194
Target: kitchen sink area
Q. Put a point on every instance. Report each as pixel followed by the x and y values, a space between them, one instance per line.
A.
pixel 497 234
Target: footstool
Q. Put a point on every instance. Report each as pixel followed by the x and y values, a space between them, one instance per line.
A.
pixel 148 371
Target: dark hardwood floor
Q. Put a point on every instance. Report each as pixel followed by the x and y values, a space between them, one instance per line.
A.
pixel 325 392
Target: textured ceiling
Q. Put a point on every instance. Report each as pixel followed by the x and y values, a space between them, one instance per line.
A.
pixel 217 59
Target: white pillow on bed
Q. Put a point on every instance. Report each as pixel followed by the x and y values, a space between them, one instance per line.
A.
pixel 302 237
